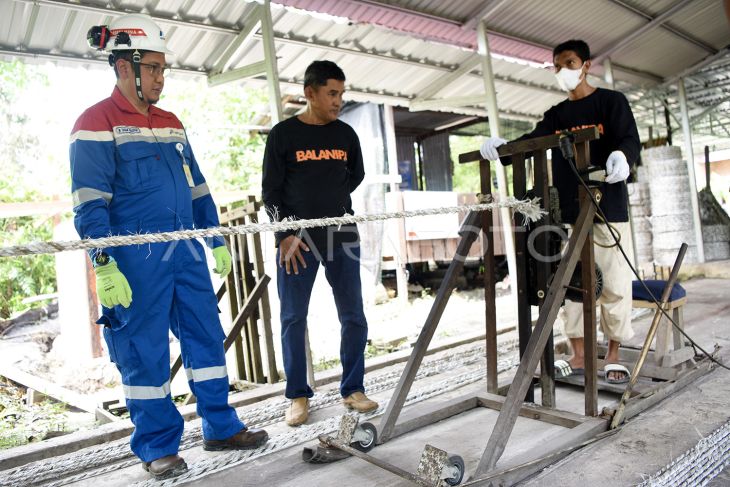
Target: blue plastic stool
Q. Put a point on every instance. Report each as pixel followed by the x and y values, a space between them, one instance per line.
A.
pixel 668 353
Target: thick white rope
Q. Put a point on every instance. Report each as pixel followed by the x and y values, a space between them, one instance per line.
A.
pixel 698 465
pixel 116 455
pixel 529 209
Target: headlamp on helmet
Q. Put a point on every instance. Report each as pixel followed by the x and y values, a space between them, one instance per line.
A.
pixel 98 37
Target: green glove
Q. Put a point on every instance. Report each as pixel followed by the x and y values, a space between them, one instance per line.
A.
pixel 222 260
pixel 112 287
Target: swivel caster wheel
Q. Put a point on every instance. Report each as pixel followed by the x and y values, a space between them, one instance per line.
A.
pixel 454 470
pixel 365 437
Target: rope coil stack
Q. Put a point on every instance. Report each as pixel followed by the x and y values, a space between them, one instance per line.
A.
pixel 671 211
pixel 715 227
pixel 715 238
pixel 640 205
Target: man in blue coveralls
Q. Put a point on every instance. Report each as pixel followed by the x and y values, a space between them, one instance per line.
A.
pixel 133 171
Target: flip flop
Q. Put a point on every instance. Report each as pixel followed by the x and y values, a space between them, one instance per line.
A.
pixel 563 369
pixel 616 368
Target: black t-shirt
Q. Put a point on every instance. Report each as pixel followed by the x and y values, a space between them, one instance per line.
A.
pixel 309 172
pixel 609 111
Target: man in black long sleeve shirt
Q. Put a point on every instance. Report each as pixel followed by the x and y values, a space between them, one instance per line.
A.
pixel 312 163
pixel 616 150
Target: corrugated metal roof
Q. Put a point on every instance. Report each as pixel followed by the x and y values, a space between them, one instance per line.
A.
pixel 392 50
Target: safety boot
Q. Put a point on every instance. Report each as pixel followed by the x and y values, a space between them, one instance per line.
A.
pixel 166 467
pixel 245 439
pixel 298 411
pixel 359 402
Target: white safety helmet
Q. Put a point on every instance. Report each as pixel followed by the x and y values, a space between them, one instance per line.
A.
pixel 138 31
pixel 131 32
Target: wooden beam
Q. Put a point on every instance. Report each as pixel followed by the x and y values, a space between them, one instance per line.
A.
pixel 544 271
pixel 431 414
pixel 531 145
pixel 490 306
pixel 50 389
pixel 565 419
pixel 645 400
pixel 588 282
pixel 468 232
pixel 524 310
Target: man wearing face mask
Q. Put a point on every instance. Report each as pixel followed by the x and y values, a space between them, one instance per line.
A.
pixel 616 150
pixel 133 171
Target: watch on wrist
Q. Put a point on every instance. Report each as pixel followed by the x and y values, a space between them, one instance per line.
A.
pixel 101 259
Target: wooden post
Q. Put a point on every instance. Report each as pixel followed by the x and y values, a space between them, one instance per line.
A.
pixel 233 298
pixel 541 245
pixel 490 308
pixel 391 147
pixel 253 350
pixel 588 279
pixel 264 305
pixel 524 315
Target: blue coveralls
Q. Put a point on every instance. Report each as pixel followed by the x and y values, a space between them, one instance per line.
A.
pixel 128 177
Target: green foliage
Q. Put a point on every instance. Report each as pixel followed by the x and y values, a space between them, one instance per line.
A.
pixel 21 424
pixel 226 119
pixel 26 276
pixel 325 364
pixel 19 149
pixel 466 176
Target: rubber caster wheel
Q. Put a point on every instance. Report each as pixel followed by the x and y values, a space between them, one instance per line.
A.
pixel 371 434
pixel 457 463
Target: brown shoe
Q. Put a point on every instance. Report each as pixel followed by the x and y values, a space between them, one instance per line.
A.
pixel 166 467
pixel 245 439
pixel 359 402
pixel 298 411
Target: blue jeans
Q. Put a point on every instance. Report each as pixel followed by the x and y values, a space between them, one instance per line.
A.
pixel 342 269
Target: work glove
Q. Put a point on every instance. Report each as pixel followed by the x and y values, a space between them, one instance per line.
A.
pixel 489 148
pixel 222 260
pixel 617 168
pixel 112 287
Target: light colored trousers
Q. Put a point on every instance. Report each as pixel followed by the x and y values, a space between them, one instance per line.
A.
pixel 615 301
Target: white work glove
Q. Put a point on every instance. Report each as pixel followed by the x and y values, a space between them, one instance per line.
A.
pixel 617 168
pixel 489 148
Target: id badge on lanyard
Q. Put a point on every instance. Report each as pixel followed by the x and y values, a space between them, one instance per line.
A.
pixel 185 165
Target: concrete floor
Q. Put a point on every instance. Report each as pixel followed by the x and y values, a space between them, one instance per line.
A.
pixel 654 438
pixel 644 445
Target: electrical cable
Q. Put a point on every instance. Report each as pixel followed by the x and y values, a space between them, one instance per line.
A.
pixel 568 154
pixel 617 242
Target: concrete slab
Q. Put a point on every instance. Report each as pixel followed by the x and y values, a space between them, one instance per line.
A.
pixel 645 445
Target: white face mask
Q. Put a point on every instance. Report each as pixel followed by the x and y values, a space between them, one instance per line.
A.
pixel 569 79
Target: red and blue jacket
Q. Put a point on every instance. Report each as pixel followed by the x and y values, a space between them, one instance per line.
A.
pixel 133 173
